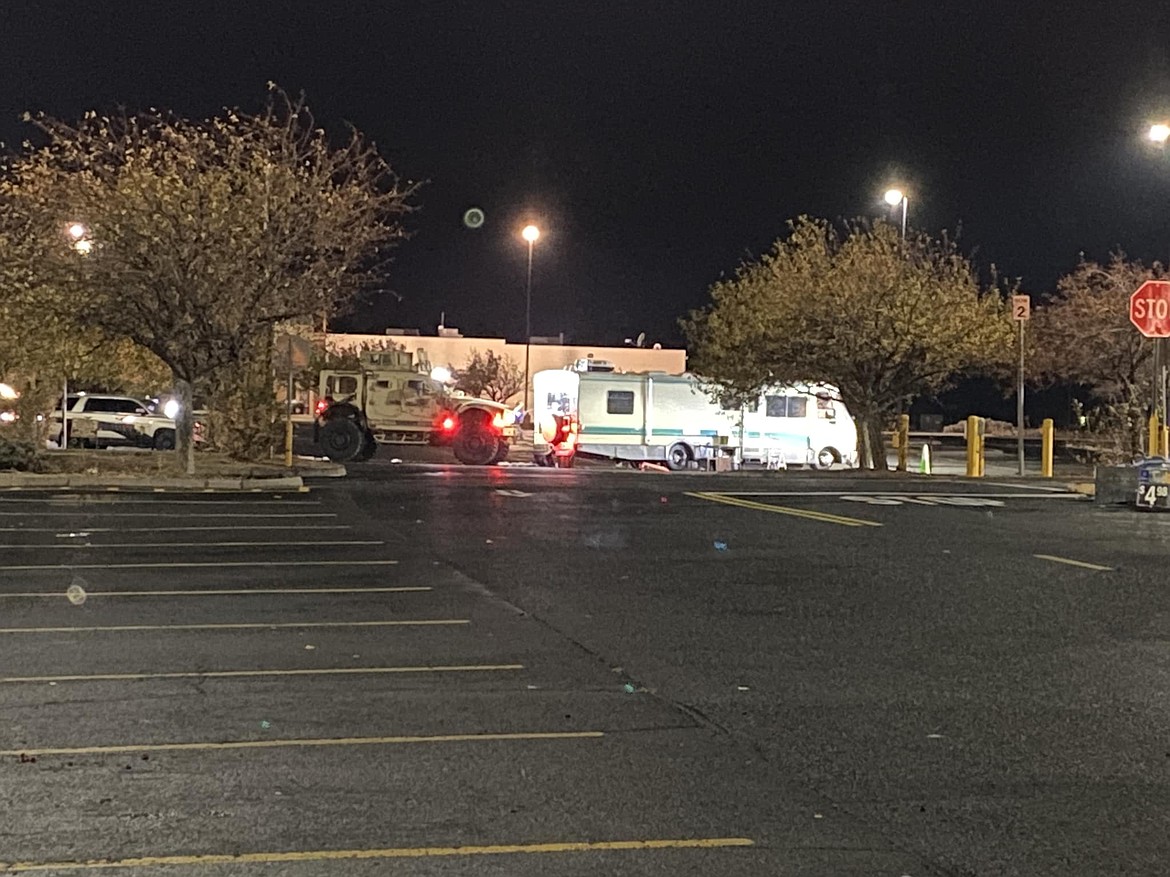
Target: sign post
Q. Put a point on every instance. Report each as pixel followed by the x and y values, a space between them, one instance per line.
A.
pixel 1021 313
pixel 1149 311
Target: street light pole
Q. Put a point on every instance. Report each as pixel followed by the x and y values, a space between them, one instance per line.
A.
pixel 530 234
pixel 1159 134
pixel 894 197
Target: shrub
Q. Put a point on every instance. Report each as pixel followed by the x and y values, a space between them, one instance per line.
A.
pixel 18 455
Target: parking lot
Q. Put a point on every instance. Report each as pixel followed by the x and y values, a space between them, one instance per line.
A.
pixel 193 677
pixel 446 670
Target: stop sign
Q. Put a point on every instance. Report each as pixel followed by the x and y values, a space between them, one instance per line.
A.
pixel 1149 308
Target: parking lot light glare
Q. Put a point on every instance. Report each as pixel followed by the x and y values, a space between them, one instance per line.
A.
pixel 1159 133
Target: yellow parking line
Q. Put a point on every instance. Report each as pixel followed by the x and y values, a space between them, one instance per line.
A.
pixel 87 531
pixel 823 517
pixel 226 674
pixel 425 622
pixel 88 546
pixel 700 843
pixel 1070 562
pixel 306 741
pixel 221 592
pixel 234 563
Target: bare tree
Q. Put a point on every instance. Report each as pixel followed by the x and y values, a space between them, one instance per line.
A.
pixel 1083 335
pixel 193 239
pixel 494 376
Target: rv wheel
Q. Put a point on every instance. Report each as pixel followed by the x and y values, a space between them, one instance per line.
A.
pixel 826 458
pixel 678 457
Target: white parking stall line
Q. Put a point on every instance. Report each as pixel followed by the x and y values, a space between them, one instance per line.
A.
pixel 1043 487
pixel 124 545
pixel 194 565
pixel 213 592
pixel 260 625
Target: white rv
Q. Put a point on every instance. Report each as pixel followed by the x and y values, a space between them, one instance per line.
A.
pixel 652 416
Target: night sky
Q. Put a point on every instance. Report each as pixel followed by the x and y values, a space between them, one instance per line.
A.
pixel 657 144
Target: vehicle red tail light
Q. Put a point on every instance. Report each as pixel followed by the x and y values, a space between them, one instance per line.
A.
pixel 323 405
pixel 448 423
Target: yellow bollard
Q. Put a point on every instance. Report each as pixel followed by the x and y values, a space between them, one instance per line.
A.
pixel 288 440
pixel 1047 442
pixel 903 439
pixel 974 446
pixel 1152 446
pixel 1165 440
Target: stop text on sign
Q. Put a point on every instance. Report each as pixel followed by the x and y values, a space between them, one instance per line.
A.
pixel 1151 308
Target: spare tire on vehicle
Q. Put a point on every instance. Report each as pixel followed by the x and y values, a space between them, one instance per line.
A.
pixel 475 445
pixel 341 439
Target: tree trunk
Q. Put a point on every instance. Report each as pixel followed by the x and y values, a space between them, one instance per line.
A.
pixel 871 446
pixel 185 427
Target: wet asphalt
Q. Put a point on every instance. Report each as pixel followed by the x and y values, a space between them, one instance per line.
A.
pixel 431 669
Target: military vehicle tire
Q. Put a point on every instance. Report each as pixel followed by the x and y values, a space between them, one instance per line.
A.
pixel 501 452
pixel 369 448
pixel 475 446
pixel 341 439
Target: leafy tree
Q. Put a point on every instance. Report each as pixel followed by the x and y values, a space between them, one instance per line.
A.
pixel 1083 335
pixel 881 317
pixel 491 375
pixel 193 239
pixel 41 353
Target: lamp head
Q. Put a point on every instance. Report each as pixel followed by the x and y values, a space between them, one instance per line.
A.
pixel 894 197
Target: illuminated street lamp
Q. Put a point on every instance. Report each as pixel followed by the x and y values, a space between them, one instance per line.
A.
pixel 1159 133
pixel 530 234
pixel 894 197
pixel 79 235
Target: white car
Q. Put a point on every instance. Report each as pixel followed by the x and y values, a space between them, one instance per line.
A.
pixel 97 420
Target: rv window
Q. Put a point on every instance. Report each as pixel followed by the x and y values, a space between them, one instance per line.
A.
pixel 619 402
pixel 826 408
pixel 797 406
pixel 776 406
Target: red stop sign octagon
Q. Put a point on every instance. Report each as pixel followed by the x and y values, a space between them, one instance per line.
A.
pixel 1149 308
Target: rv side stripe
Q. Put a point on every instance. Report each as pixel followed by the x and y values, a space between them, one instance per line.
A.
pixel 823 517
